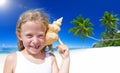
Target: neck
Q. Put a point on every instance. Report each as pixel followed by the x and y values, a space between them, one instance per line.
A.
pixel 39 55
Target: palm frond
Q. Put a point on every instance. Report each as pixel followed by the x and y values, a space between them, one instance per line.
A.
pixel 77 32
pixel 73 29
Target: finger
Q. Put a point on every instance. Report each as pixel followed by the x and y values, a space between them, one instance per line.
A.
pixel 59 49
pixel 61 43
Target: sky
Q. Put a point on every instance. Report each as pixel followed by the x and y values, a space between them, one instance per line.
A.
pixel 68 9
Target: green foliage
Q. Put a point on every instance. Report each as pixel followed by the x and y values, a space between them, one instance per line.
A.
pixel 109 20
pixel 82 28
pixel 110 36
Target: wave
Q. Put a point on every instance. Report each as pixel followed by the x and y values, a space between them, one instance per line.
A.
pixel 7 50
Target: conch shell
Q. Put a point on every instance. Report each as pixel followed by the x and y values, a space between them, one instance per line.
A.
pixel 52 33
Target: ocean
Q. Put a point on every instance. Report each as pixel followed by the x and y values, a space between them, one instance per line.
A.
pixel 8 50
pixel 11 50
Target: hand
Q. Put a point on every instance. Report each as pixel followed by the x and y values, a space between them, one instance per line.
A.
pixel 63 50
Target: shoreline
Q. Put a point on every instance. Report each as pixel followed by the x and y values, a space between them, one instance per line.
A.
pixel 93 60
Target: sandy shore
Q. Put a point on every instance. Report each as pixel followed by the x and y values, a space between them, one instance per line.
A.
pixel 93 60
pixel 2 60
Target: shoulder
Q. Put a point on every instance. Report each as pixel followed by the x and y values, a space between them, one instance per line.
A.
pixel 10 63
pixel 53 58
pixel 52 55
pixel 11 57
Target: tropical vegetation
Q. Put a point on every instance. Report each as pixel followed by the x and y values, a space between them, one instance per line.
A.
pixel 110 36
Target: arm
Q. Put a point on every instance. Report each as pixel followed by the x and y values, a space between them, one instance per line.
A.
pixel 64 52
pixel 9 63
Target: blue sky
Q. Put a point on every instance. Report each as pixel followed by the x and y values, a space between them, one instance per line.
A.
pixel 68 9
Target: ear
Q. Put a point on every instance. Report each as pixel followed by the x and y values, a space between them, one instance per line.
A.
pixel 18 35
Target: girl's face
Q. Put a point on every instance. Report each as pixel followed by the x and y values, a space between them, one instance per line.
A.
pixel 33 36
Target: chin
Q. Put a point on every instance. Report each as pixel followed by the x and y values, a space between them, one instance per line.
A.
pixel 34 51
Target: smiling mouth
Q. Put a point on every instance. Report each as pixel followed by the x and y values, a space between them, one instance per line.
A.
pixel 35 47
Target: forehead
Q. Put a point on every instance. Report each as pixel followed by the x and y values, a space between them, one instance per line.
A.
pixel 33 26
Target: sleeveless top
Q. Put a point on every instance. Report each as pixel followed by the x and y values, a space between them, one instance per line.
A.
pixel 25 66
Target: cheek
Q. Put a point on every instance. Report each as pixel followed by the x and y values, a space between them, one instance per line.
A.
pixel 42 41
pixel 26 41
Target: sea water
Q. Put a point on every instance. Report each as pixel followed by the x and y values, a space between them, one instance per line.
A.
pixel 8 50
pixel 11 50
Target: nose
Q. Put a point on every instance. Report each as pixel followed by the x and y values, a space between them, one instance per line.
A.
pixel 35 40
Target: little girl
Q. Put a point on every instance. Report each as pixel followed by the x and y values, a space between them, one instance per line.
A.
pixel 32 57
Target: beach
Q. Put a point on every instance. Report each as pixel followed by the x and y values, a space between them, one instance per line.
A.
pixel 2 60
pixel 91 60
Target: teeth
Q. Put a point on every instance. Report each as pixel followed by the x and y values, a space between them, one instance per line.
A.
pixel 35 46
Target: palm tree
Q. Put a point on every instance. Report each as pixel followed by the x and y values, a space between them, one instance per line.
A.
pixel 82 28
pixel 109 36
pixel 110 22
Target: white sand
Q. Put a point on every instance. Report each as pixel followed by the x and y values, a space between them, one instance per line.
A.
pixel 2 60
pixel 93 60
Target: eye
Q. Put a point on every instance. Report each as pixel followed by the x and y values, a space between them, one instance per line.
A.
pixel 41 36
pixel 29 35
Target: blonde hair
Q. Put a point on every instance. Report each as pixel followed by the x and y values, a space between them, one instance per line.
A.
pixel 31 15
